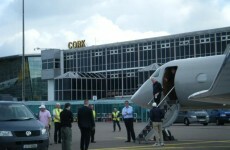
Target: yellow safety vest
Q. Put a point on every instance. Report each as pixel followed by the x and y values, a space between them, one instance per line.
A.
pixel 115 116
pixel 57 113
pixel 94 114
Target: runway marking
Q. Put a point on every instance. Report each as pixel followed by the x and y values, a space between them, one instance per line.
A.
pixel 165 147
pixel 120 138
pixel 174 146
pixel 201 142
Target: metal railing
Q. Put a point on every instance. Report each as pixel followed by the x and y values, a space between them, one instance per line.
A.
pixel 163 98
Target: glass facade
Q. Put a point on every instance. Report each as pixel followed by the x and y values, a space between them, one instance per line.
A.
pixel 121 62
pixel 80 86
pixel 103 108
pixel 11 78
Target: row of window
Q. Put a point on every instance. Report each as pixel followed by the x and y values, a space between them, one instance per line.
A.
pixel 50 63
pixel 165 45
pixel 131 74
pixel 145 58
pixel 166 50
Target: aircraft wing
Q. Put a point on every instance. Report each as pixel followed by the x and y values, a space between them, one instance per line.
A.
pixel 219 92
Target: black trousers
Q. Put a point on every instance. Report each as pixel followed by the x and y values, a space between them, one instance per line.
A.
pixel 157 99
pixel 85 138
pixel 129 128
pixel 114 125
pixel 92 134
pixel 57 132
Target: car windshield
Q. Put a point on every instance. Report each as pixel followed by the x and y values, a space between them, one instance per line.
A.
pixel 14 112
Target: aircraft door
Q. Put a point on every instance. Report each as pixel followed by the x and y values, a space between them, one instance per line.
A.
pixel 168 82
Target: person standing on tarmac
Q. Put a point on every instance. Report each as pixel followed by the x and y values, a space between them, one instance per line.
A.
pixel 116 119
pixel 92 134
pixel 156 116
pixel 66 119
pixel 57 124
pixel 85 123
pixel 44 116
pixel 127 113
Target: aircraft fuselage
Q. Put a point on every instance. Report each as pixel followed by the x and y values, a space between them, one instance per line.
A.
pixel 192 75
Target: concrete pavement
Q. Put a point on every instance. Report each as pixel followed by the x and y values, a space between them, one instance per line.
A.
pixel 187 137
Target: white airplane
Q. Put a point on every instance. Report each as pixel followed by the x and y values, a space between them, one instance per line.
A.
pixel 193 83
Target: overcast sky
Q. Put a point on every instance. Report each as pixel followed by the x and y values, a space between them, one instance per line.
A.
pixel 54 23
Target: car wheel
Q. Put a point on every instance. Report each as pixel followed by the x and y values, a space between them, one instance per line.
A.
pixel 186 121
pixel 205 124
pixel 217 122
pixel 45 148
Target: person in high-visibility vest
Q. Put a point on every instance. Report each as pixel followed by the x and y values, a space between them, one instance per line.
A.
pixel 57 123
pixel 116 119
pixel 93 129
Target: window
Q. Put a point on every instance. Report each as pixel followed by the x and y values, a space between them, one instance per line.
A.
pixel 112 52
pixel 98 53
pixel 225 37
pixel 205 40
pixel 57 63
pixel 186 42
pixel 70 57
pixel 165 45
pixel 128 50
pixel 114 76
pixel 49 64
pixel 149 47
pixel 131 74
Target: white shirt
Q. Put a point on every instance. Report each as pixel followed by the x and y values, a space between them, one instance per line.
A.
pixel 127 112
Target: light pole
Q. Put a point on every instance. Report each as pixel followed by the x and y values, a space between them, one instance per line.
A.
pixel 23 54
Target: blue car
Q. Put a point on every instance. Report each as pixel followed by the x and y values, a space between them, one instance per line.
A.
pixel 219 116
pixel 20 129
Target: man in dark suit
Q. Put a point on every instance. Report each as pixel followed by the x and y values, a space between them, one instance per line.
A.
pixel 66 120
pixel 157 89
pixel 85 123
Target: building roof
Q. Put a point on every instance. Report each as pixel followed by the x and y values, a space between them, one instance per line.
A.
pixel 16 56
pixel 75 75
pixel 152 67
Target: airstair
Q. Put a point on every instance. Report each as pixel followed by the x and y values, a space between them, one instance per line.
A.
pixel 171 112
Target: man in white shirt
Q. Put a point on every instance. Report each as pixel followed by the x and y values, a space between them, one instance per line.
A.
pixel 127 113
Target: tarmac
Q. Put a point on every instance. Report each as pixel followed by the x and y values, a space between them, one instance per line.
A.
pixel 194 137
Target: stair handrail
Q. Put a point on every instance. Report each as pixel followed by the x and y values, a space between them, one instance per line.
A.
pixel 166 96
pixel 150 101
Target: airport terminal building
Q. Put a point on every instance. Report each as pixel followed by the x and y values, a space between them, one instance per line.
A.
pixel 102 71
pixel 119 69
pixel 11 78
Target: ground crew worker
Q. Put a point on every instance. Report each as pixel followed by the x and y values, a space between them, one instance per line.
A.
pixel 116 119
pixel 57 123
